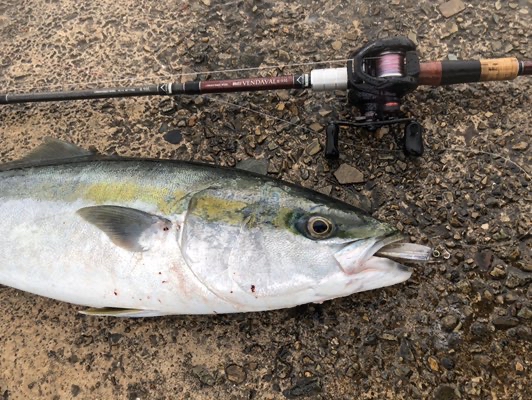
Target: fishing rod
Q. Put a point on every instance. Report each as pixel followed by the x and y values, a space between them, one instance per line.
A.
pixel 376 78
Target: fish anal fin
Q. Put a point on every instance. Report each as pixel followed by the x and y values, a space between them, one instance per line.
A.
pixel 120 312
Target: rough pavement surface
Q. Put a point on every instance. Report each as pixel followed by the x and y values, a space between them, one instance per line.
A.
pixel 460 328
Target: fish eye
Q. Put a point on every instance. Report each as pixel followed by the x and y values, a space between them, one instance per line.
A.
pixel 319 227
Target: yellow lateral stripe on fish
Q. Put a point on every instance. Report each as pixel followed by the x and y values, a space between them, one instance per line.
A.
pixel 165 199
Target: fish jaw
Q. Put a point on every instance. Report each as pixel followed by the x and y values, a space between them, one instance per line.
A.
pixel 367 271
pixel 378 272
pixel 352 258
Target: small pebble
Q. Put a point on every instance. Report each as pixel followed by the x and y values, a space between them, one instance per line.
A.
pixel 449 322
pixel 519 367
pixel 348 174
pixel 449 28
pixel 235 373
pixel 313 147
pixel 325 190
pixel 451 7
pixel 517 278
pixel 336 45
pixel 498 272
pixel 521 146
pixel 316 127
pixel 174 136
pixel 505 322
pixel 167 107
pixel 258 166
pixel 203 375
pixel 433 363
pixel 445 392
pixel 525 313
pixel 479 329
pixel 447 363
pixel 75 390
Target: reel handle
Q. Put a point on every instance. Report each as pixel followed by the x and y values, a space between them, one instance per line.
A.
pixel 332 132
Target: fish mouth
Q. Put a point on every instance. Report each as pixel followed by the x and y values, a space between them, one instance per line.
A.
pixel 370 262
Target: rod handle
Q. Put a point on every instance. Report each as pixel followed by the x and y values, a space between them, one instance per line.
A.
pixel 450 72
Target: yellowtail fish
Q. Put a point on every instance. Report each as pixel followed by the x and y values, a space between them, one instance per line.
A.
pixel 139 238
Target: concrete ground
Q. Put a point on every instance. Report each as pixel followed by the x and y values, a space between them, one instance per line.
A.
pixel 460 328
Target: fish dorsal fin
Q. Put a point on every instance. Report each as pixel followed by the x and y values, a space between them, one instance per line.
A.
pixel 55 149
pixel 49 151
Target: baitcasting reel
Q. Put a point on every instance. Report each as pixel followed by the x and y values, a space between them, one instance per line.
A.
pixel 378 76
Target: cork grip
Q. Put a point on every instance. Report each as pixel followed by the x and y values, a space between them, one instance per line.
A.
pixel 448 72
pixel 500 69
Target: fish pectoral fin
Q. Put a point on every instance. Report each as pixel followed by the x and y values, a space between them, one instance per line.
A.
pixel 120 312
pixel 128 228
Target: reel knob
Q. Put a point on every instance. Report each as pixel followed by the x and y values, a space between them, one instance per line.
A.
pixel 413 140
pixel 331 141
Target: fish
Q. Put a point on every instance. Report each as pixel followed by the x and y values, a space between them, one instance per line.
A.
pixel 130 237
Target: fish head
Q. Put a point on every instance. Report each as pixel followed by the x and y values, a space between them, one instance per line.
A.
pixel 338 246
pixel 286 245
